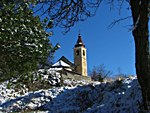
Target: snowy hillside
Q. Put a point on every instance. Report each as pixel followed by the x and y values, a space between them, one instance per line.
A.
pixel 121 96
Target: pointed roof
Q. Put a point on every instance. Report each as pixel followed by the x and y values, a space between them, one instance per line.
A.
pixel 60 63
pixel 79 42
pixel 64 59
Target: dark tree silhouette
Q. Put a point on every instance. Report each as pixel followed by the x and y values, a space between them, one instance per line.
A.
pixel 140 33
pixel 66 13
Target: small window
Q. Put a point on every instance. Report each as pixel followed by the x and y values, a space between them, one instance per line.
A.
pixel 77 52
pixel 83 53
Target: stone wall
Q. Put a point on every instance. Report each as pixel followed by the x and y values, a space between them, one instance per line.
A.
pixel 74 76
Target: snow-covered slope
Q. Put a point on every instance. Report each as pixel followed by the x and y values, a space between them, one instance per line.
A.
pixel 76 96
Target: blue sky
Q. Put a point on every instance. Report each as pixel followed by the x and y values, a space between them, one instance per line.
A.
pixel 112 47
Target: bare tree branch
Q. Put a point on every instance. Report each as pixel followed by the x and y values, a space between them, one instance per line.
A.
pixel 120 5
pixel 118 21
pixel 66 13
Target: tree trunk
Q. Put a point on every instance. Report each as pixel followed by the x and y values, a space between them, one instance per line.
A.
pixel 139 10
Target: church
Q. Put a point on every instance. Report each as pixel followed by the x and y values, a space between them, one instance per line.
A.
pixel 79 67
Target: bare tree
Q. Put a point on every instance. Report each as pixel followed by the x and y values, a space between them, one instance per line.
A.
pixel 99 73
pixel 66 13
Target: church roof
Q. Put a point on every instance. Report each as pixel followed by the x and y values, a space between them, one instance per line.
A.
pixel 60 63
pixel 79 42
pixel 64 59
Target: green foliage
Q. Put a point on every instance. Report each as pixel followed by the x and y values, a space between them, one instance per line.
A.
pixel 24 44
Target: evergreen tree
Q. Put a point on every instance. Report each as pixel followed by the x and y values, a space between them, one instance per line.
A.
pixel 24 44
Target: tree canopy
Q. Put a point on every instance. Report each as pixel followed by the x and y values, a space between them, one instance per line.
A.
pixel 24 43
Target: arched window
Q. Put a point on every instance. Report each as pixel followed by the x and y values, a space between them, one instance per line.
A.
pixel 77 52
pixel 83 53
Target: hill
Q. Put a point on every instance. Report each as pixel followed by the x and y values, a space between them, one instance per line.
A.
pixel 120 96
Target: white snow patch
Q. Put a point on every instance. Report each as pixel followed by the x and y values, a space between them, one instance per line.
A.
pixel 75 97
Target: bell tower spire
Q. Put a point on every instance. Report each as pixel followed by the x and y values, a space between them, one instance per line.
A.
pixel 80 57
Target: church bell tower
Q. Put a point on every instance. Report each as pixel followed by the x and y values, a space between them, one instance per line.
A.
pixel 80 57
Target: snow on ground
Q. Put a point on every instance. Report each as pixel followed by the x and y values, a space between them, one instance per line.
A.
pixel 122 96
